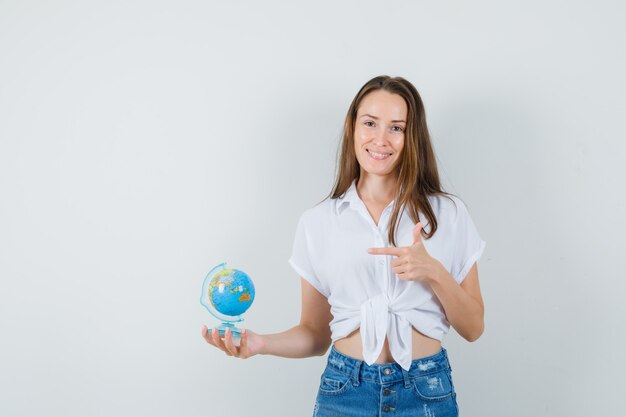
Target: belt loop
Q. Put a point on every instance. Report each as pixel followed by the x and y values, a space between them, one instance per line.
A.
pixel 407 381
pixel 356 372
pixel 445 358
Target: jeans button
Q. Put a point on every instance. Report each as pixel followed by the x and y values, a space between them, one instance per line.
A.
pixel 387 371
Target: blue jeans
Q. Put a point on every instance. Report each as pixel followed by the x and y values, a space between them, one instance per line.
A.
pixel 351 388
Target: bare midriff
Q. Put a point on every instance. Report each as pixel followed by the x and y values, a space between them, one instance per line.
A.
pixel 423 346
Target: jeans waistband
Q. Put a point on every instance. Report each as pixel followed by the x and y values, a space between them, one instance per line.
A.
pixel 387 372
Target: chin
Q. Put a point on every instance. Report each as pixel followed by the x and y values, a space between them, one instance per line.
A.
pixel 378 172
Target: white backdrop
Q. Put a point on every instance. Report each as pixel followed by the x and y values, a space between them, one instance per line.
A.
pixel 143 142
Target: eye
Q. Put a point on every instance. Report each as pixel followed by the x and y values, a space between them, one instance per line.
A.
pixel 399 128
pixel 366 123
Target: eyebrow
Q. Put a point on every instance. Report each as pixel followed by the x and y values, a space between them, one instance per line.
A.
pixel 374 117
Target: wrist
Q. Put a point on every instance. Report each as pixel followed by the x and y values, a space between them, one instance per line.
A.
pixel 439 273
pixel 263 345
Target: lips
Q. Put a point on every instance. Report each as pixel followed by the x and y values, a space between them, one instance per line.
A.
pixel 378 155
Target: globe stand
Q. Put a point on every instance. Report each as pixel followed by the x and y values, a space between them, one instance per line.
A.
pixel 227 321
pixel 234 331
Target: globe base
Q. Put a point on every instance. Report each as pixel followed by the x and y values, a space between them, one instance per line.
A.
pixel 234 331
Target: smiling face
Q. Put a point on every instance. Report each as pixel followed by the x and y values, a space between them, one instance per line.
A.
pixel 379 132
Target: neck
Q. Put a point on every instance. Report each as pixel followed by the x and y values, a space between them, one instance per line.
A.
pixel 377 188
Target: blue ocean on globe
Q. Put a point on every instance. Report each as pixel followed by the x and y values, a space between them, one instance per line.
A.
pixel 231 292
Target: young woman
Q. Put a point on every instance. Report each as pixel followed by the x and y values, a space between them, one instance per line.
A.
pixel 387 263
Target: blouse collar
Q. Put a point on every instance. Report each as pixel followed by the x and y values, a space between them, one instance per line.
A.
pixel 351 198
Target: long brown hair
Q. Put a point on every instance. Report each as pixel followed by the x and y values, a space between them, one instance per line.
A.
pixel 418 176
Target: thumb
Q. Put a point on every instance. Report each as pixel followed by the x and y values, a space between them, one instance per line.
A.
pixel 417 230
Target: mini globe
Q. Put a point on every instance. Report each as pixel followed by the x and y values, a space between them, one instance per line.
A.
pixel 227 293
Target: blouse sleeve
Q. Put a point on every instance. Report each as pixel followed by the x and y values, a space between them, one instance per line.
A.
pixel 468 245
pixel 300 259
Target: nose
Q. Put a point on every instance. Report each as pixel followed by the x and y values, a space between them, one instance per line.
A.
pixel 379 135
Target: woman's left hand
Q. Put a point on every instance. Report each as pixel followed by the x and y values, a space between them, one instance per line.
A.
pixel 412 263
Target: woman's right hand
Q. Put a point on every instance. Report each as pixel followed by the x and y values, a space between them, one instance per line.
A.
pixel 249 345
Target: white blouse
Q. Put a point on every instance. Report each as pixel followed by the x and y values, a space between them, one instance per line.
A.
pixel 330 252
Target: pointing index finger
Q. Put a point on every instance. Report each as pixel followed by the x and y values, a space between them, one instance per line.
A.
pixel 385 251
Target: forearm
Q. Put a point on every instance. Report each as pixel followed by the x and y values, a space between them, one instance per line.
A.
pixel 300 341
pixel 462 311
